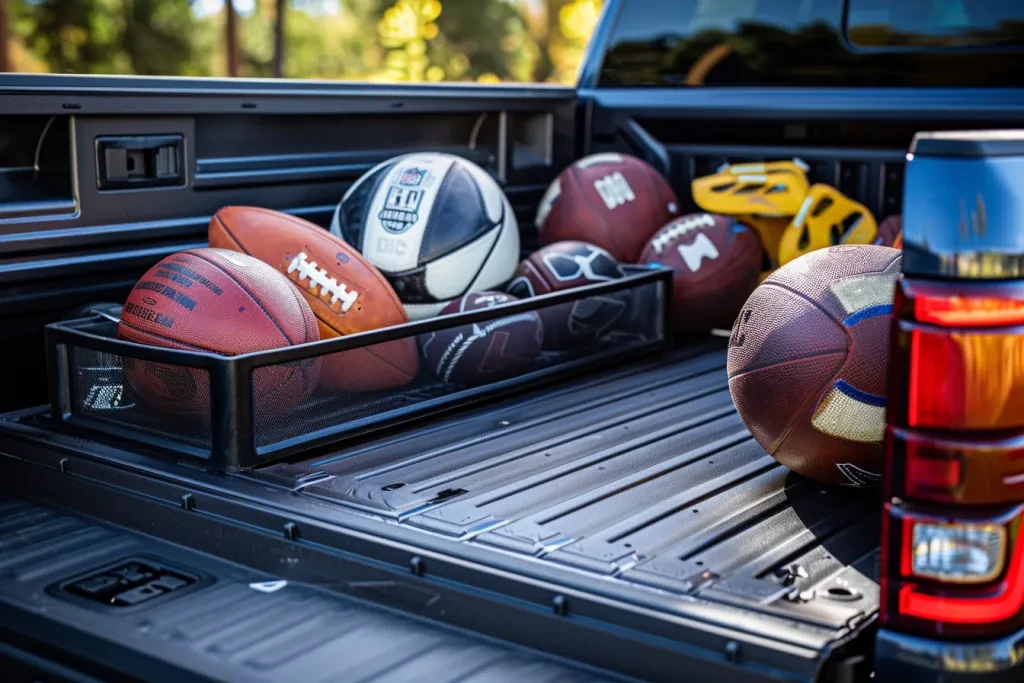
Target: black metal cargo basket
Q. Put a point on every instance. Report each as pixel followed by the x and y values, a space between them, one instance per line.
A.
pixel 231 413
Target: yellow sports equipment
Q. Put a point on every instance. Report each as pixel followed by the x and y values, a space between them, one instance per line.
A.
pixel 770 189
pixel 770 229
pixel 826 218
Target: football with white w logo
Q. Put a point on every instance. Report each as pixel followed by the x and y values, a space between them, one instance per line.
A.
pixel 345 291
pixel 716 262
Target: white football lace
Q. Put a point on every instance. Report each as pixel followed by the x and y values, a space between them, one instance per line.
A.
pixel 679 229
pixel 318 278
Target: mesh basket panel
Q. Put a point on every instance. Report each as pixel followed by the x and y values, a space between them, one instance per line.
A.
pixel 368 382
pixel 163 401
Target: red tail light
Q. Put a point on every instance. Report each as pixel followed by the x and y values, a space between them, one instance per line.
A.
pixel 953 560
pixel 991 602
pixel 958 310
pixel 958 469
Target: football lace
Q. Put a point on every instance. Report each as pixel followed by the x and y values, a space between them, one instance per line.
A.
pixel 318 277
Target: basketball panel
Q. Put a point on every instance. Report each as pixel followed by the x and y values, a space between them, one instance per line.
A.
pixel 777 326
pixel 845 279
pixel 770 413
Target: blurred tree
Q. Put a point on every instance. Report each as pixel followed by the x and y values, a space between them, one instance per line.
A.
pixel 153 37
pixel 383 40
pixel 280 16
pixel 5 40
pixel 156 36
pixel 231 37
pixel 571 24
pixel 435 40
pixel 332 45
pixel 76 36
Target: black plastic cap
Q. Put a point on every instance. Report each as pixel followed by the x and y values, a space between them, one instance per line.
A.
pixel 970 143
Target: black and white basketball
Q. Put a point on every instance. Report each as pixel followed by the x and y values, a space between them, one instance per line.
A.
pixel 487 351
pixel 436 225
pixel 566 265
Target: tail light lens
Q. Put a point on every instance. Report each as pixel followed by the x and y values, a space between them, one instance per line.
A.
pixel 956 552
pixel 958 578
pixel 953 565
pixel 962 469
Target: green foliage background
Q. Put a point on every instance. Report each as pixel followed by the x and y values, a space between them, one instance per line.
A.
pixel 380 40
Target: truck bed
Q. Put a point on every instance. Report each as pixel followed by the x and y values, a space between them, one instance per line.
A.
pixel 645 475
pixel 242 625
pixel 636 496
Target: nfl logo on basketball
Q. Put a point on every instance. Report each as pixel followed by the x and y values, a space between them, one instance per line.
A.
pixel 411 177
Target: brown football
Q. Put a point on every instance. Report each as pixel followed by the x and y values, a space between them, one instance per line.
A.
pixel 222 302
pixel 566 265
pixel 808 360
pixel 484 352
pixel 889 230
pixel 716 262
pixel 345 291
pixel 614 201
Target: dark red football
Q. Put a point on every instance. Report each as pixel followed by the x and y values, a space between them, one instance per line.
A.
pixel 565 265
pixel 484 352
pixel 223 302
pixel 889 229
pixel 614 201
pixel 808 358
pixel 716 261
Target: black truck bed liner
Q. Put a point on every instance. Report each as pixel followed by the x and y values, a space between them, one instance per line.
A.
pixel 229 630
pixel 645 475
pixel 637 492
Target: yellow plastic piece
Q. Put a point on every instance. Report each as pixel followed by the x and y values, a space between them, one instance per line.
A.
pixel 770 229
pixel 770 189
pixel 826 218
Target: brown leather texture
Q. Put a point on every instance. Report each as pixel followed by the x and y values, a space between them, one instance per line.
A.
pixel 581 212
pixel 321 266
pixel 217 301
pixel 808 359
pixel 716 263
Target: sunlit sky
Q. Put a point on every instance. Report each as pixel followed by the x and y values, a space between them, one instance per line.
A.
pixel 204 7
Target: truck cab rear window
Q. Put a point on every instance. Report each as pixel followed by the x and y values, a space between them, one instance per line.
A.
pixel 927 24
pixel 804 43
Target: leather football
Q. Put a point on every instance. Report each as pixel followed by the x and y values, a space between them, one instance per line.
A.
pixel 222 302
pixel 614 201
pixel 484 352
pixel 715 262
pixel 567 265
pixel 345 291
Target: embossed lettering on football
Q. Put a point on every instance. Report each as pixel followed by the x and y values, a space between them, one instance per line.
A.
pixel 808 360
pixel 345 291
pixel 716 263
